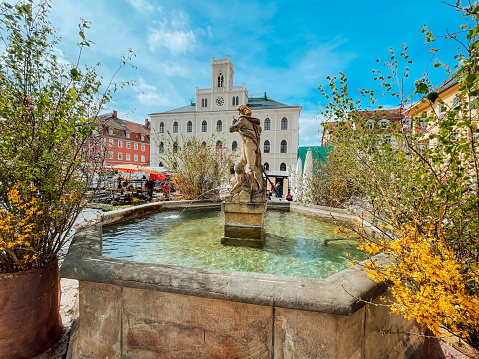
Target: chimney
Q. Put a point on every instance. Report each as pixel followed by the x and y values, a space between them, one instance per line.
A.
pixel 147 123
pixel 115 114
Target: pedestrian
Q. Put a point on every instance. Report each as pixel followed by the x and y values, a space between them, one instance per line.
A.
pixel 166 191
pixel 150 185
pixel 279 190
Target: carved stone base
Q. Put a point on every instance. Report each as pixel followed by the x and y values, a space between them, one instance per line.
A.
pixel 244 223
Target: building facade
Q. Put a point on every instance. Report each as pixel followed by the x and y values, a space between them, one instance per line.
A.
pixel 127 142
pixel 214 112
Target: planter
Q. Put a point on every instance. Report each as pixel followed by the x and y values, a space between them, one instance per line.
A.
pixel 29 311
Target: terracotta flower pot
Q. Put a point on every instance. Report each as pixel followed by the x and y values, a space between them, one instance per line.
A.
pixel 29 311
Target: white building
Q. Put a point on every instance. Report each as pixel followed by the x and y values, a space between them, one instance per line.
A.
pixel 215 110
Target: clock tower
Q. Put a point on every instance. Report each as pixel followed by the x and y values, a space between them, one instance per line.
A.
pixel 223 95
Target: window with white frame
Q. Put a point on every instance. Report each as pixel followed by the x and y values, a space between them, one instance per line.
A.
pixel 142 137
pixel 267 124
pixel 204 126
pixel 161 147
pixel 284 147
pixel 266 146
pixel 189 127
pixel 384 123
pixel 143 148
pixel 284 123
pixel 162 127
pixel 110 131
pixel 120 156
pixel 370 124
pixel 388 138
pixel 266 166
pixel 120 144
pixel 135 157
pixel 135 146
pixel 110 155
pixel 282 167
pixel 128 145
pixel 111 141
pixel 128 157
pixel 219 126
pixel 234 145
pixel 127 134
pixel 175 127
pixel 142 158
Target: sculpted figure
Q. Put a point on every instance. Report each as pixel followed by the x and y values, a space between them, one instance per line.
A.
pixel 250 130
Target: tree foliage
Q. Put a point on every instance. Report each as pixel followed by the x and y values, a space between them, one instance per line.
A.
pixel 200 168
pixel 50 151
pixel 423 200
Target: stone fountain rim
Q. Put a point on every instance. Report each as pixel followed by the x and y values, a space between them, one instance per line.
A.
pixel 339 294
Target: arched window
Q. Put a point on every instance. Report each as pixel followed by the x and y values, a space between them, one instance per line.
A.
pixel 234 101
pixel 221 80
pixel 234 145
pixel 161 164
pixel 162 127
pixel 282 167
pixel 219 144
pixel 237 100
pixel 203 144
pixel 266 166
pixel 284 123
pixel 266 146
pixel 219 126
pixel 284 146
pixel 175 147
pixel 204 126
pixel 206 102
pixel 267 124
pixel 175 127
pixel 189 127
pixel 202 102
pixel 162 148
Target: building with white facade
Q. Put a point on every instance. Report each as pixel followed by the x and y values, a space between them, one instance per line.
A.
pixel 215 110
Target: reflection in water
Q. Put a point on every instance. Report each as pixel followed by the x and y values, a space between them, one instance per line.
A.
pixel 295 244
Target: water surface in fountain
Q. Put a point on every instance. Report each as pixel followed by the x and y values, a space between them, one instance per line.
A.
pixel 296 245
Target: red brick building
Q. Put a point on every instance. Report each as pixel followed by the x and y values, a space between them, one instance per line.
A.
pixel 127 142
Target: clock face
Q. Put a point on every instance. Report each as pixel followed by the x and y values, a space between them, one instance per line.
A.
pixel 220 101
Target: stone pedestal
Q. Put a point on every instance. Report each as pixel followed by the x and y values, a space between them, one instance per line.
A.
pixel 244 223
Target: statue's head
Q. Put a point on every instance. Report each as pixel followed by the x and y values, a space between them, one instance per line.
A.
pixel 244 110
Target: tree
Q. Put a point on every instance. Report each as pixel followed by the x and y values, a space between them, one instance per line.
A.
pixel 201 168
pixel 50 151
pixel 422 200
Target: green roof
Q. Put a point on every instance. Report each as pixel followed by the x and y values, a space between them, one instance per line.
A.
pixel 319 153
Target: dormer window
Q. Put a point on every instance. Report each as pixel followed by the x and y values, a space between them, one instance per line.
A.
pixel 127 134
pixel 110 131
pixel 221 81
pixel 142 137
pixel 370 124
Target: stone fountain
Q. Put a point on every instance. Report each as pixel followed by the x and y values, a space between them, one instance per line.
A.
pixel 245 206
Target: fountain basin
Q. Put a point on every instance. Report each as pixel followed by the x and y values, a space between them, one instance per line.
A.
pixel 143 310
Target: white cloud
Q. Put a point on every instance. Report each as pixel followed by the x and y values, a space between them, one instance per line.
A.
pixel 172 33
pixel 310 130
pixel 173 69
pixel 142 6
pixel 150 96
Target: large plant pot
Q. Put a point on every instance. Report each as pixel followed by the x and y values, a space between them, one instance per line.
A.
pixel 29 311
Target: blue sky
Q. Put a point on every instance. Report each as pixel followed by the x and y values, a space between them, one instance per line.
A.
pixel 286 48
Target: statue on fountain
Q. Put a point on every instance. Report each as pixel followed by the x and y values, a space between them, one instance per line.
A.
pixel 249 184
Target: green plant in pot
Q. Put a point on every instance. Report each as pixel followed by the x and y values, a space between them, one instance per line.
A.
pixel 51 155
